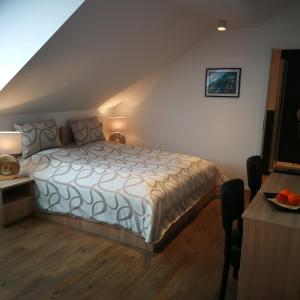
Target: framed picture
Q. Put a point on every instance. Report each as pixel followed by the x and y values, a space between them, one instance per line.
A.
pixel 223 82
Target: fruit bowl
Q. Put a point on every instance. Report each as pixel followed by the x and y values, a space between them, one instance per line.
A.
pixel 271 197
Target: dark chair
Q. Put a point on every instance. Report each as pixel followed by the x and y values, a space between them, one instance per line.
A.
pixel 232 207
pixel 254 174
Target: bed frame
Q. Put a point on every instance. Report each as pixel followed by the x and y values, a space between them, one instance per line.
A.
pixel 126 236
pixel 119 234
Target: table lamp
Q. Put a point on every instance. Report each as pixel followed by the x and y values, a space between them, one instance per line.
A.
pixel 117 126
pixel 10 143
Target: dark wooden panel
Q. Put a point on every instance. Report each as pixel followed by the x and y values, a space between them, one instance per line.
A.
pixel 289 135
pixel 267 144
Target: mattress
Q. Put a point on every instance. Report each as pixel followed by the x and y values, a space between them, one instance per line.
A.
pixel 139 189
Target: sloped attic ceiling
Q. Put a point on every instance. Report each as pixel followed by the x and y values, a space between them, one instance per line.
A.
pixel 104 47
pixel 25 26
pixel 108 45
pixel 240 13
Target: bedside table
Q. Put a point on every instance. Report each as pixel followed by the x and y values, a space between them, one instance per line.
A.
pixel 16 200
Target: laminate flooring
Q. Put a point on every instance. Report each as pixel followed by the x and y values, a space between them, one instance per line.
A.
pixel 42 260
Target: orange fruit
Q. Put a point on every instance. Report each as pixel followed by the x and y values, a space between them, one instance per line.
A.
pixel 282 198
pixel 285 192
pixel 293 199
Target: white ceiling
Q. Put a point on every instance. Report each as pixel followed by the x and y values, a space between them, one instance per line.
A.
pixel 239 13
pixel 106 46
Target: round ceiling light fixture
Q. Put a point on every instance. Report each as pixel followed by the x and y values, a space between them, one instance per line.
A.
pixel 221 25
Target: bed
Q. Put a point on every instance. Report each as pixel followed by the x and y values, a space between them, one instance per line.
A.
pixel 134 195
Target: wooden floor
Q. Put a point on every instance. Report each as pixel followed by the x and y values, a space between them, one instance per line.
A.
pixel 41 260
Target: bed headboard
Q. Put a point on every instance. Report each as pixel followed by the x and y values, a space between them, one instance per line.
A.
pixel 66 135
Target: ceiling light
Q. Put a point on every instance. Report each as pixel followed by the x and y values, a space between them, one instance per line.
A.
pixel 221 25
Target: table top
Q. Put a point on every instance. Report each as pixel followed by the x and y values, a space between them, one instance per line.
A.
pixel 5 184
pixel 261 210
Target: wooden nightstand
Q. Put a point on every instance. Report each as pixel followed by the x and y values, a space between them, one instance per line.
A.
pixel 16 200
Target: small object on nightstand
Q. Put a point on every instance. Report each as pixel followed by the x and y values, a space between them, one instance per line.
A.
pixel 16 200
pixel 10 143
pixel 117 126
pixel 117 138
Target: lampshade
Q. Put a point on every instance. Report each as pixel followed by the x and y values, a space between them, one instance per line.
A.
pixel 10 142
pixel 116 124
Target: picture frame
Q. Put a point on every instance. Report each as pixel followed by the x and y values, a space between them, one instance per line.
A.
pixel 223 82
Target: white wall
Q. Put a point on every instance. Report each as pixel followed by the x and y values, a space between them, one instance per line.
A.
pixel 25 25
pixel 169 111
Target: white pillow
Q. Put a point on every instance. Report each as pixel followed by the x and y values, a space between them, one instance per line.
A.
pixel 38 136
pixel 86 130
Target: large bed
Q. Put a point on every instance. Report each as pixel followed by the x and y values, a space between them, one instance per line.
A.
pixel 135 195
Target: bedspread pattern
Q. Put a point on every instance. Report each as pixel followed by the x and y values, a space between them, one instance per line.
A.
pixel 140 189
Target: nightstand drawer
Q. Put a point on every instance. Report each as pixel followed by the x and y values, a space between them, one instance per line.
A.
pixel 16 200
pixel 16 193
pixel 16 210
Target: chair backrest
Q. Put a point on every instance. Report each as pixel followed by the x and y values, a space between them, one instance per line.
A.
pixel 232 203
pixel 254 174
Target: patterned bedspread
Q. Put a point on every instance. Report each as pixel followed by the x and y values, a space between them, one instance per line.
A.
pixel 140 189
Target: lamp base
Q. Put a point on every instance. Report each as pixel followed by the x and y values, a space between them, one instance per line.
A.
pixel 2 177
pixel 9 167
pixel 118 138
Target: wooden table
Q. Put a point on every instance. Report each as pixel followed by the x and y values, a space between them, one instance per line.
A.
pixel 270 261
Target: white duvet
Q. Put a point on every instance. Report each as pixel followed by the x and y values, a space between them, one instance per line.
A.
pixel 140 189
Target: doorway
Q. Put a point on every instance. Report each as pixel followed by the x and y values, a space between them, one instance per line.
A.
pixel 289 131
pixel 281 144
